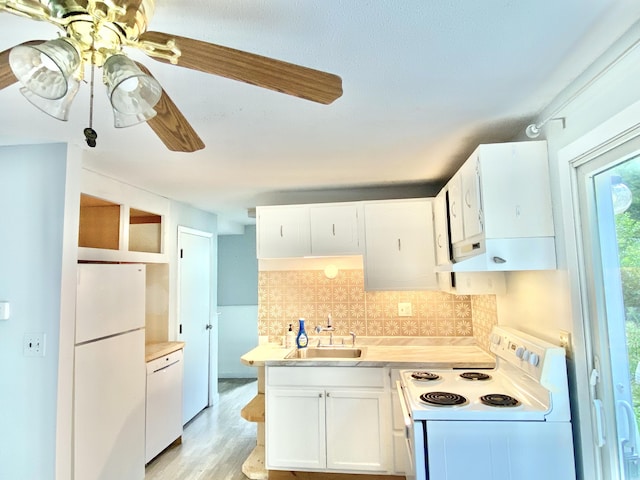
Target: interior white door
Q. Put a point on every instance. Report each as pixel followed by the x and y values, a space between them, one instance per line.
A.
pixel 194 318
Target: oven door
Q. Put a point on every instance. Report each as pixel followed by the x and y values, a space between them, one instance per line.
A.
pixel 414 439
pixel 500 450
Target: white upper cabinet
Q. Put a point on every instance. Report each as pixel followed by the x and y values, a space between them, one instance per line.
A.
pixel 454 187
pixel 399 245
pixel 283 231
pixel 460 283
pixel 505 200
pixel 472 215
pixel 326 229
pixel 335 229
pixel 440 225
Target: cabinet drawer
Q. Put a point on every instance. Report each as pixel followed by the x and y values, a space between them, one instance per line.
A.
pixel 164 361
pixel 327 376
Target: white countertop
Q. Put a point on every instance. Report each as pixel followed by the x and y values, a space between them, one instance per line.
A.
pixel 395 356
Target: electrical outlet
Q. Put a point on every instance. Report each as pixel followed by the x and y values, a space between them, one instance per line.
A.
pixel 404 309
pixel 34 344
pixel 565 341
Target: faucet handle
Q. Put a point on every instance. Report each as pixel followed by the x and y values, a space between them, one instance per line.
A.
pixel 353 339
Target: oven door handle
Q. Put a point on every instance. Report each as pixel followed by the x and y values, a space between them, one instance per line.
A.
pixel 406 417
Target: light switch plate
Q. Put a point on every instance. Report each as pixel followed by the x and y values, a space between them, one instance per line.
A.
pixel 4 311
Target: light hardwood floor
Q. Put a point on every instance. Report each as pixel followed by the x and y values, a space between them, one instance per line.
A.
pixel 215 444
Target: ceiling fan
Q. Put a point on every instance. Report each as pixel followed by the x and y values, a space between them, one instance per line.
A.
pixel 95 35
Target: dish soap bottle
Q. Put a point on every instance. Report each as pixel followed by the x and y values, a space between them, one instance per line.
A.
pixel 302 340
pixel 290 338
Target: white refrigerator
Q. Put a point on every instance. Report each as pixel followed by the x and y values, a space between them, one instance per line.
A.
pixel 110 373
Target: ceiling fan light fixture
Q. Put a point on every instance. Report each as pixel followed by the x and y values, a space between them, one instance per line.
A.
pixel 45 69
pixel 57 108
pixel 130 90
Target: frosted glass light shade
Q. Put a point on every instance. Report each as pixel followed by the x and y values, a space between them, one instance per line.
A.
pixel 57 108
pixel 45 69
pixel 121 120
pixel 130 90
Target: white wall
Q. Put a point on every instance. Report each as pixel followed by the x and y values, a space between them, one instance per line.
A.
pixel 31 243
pixel 238 335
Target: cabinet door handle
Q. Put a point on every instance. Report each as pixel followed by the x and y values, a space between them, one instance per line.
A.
pixel 328 394
pixel 333 229
pixel 439 241
pixel 499 260
pixel 467 198
pixel 399 245
pixel 319 395
pixel 281 230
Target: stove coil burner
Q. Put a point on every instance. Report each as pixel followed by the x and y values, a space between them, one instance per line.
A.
pixel 499 400
pixel 425 376
pixel 476 376
pixel 443 399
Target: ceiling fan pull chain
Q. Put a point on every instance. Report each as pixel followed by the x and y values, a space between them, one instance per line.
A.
pixel 90 134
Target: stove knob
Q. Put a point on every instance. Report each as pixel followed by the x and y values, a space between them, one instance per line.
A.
pixel 495 339
pixel 526 355
pixel 534 359
pixel 520 352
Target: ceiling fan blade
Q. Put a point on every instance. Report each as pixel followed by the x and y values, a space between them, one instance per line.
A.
pixel 7 78
pixel 250 68
pixel 171 126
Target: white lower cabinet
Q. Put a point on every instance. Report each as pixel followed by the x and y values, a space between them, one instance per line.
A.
pixel 295 425
pixel 356 429
pixel 332 419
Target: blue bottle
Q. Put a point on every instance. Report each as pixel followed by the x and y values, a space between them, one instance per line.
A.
pixel 302 340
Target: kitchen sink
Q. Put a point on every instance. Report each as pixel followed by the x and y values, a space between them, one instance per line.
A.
pixel 325 352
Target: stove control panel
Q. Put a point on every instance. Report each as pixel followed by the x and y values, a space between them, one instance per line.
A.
pixel 523 351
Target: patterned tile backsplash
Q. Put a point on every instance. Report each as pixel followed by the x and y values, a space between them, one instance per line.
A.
pixel 285 296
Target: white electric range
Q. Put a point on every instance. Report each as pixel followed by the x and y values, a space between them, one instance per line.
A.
pixel 507 423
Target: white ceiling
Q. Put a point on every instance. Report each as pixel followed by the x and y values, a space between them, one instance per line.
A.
pixel 424 82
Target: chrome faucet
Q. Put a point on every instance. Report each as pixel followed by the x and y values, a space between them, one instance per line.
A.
pixel 329 328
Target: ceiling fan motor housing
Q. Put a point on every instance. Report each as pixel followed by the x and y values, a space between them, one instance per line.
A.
pixel 101 28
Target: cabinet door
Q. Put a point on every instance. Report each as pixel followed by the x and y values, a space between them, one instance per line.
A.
pixel 471 198
pixel 454 188
pixel 358 430
pixel 283 232
pixel 399 246
pixel 295 423
pixel 334 230
pixel 441 230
